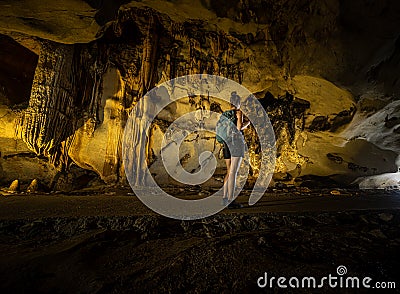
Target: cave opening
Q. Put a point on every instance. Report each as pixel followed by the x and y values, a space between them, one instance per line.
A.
pixel 17 69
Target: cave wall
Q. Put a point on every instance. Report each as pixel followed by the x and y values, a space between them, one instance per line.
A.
pixel 17 69
pixel 300 58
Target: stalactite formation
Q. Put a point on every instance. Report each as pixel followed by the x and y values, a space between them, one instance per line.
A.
pixel 49 119
pixel 66 90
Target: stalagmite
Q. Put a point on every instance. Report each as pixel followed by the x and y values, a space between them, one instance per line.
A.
pixel 14 187
pixel 33 186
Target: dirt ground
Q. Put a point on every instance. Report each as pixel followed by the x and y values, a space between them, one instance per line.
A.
pixel 108 242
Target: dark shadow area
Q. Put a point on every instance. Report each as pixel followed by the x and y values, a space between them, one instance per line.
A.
pixel 107 9
pixel 224 253
pixel 17 69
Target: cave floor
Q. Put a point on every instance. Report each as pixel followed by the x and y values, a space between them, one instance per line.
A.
pixel 122 202
pixel 108 242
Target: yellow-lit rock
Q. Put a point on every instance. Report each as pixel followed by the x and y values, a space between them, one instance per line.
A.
pixel 332 91
pixel 33 186
pixel 14 187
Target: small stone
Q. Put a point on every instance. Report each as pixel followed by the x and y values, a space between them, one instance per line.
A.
pixel 33 187
pixel 14 187
pixel 280 234
pixel 335 192
pixel 4 193
pixel 280 185
pixel 261 241
pixel 364 219
pixel 305 190
pixel 378 234
pixel 386 217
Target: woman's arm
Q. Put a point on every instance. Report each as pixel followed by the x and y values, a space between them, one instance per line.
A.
pixel 239 121
pixel 242 123
pixel 245 123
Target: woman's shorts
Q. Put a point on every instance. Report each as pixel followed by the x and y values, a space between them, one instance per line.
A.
pixel 237 148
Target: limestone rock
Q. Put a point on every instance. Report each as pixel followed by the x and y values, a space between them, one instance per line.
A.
pixel 14 187
pixel 50 20
pixel 33 186
pixel 86 64
pixel 386 217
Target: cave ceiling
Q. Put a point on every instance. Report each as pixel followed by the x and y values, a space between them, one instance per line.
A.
pixel 332 38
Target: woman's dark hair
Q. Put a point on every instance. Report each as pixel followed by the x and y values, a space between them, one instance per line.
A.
pixel 235 99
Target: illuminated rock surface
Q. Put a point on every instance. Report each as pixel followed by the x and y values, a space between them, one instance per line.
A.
pixel 71 71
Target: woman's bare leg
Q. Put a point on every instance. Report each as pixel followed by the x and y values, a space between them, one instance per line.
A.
pixel 228 167
pixel 235 164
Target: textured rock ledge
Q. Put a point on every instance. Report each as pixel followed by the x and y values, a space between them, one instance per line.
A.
pixel 152 226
